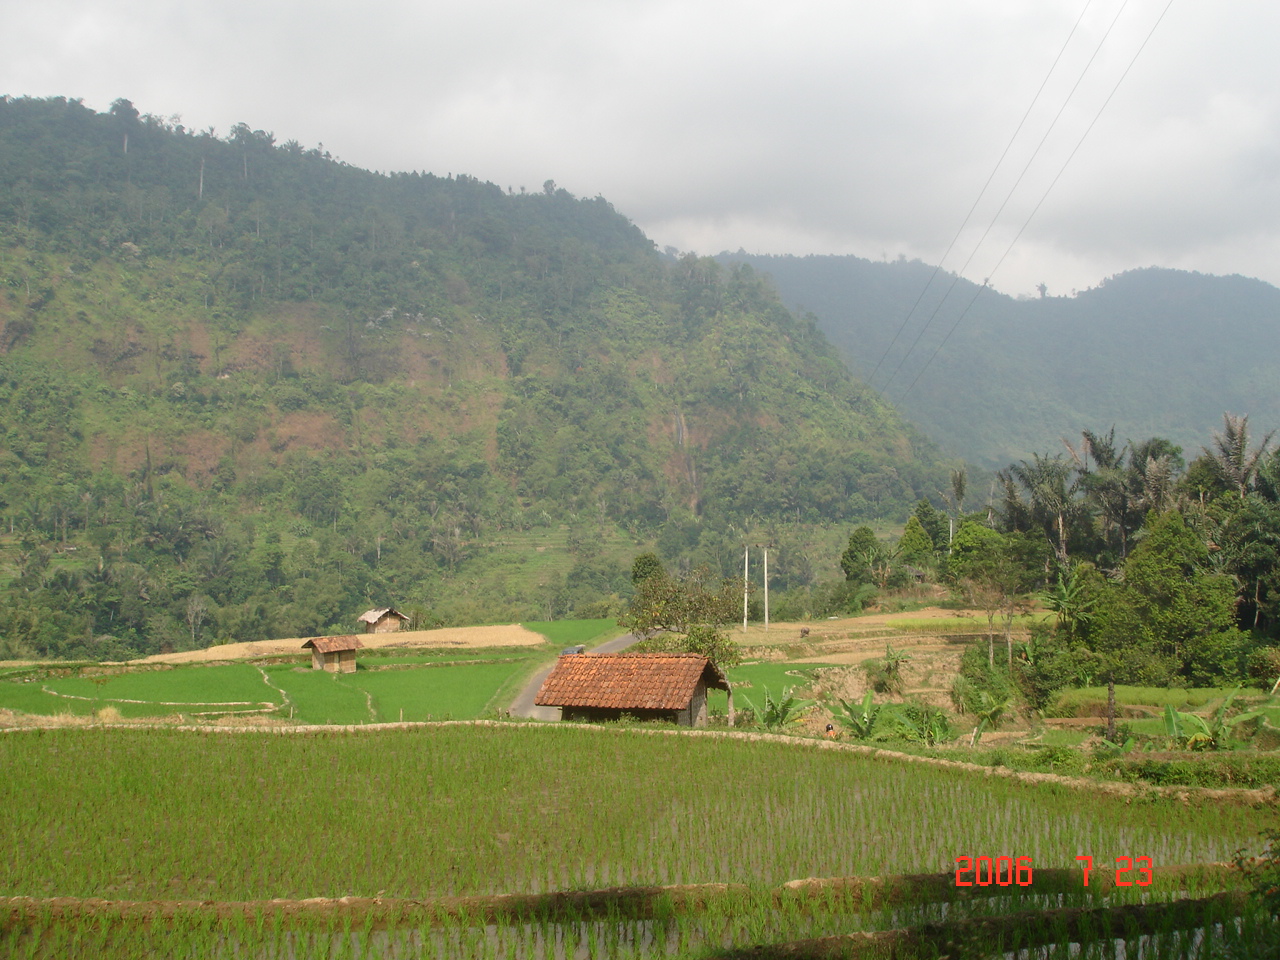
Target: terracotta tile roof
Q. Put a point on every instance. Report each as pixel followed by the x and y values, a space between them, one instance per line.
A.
pixel 373 616
pixel 333 644
pixel 628 681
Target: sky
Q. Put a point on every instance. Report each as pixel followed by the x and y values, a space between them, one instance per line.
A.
pixel 1151 134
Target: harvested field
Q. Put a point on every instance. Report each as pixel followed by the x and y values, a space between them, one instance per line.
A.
pixel 498 635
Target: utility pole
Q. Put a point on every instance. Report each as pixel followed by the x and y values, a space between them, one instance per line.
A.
pixel 746 553
pixel 766 589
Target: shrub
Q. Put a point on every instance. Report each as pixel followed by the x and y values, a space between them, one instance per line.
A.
pixel 1210 770
pixel 885 675
pixel 924 723
pixel 1264 665
pixel 1215 659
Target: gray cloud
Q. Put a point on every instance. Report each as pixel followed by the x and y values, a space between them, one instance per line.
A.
pixel 805 127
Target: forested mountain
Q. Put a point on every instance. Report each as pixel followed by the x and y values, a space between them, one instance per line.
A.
pixel 247 390
pixel 1155 352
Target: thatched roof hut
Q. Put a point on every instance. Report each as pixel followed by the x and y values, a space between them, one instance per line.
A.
pixel 333 654
pixel 382 620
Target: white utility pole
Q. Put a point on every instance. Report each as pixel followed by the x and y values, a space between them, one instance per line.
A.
pixel 766 589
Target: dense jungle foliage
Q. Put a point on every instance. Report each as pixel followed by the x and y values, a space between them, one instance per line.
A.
pixel 247 390
pixel 1158 572
pixel 1156 352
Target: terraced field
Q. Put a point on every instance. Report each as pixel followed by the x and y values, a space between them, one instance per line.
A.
pixel 210 828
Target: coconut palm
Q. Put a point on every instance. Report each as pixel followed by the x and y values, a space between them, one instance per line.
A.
pixel 1231 454
pixel 1051 490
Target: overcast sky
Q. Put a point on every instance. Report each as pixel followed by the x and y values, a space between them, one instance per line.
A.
pixel 804 126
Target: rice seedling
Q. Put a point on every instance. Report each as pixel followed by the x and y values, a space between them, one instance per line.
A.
pixel 472 811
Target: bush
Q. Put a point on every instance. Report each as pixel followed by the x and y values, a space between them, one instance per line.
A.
pixel 1264 664
pixel 995 681
pixel 885 675
pixel 1063 760
pixel 830 599
pixel 1053 664
pixel 1211 770
pixel 923 723
pixel 1216 658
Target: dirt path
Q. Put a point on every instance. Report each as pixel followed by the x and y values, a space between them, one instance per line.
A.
pixel 523 705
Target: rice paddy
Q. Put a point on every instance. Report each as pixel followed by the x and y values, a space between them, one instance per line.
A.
pixel 410 816
pixel 551 842
pixel 405 686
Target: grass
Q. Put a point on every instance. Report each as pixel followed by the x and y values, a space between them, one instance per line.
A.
pixel 568 633
pixel 1071 703
pixel 319 697
pixel 750 680
pixel 161 814
pixel 457 693
pixel 144 814
pixel 229 683
pixel 432 685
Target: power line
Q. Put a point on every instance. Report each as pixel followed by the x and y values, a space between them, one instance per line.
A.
pixel 981 193
pixel 1043 197
pixel 1013 189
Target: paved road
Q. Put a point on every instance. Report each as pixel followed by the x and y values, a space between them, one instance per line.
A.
pixel 523 705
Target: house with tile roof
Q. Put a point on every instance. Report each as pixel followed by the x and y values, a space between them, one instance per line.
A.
pixel 333 654
pixel 647 686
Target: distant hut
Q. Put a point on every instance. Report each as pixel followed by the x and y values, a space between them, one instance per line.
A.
pixel 334 654
pixel 383 620
pixel 647 686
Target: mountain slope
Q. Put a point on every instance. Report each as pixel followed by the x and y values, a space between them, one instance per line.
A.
pixel 247 390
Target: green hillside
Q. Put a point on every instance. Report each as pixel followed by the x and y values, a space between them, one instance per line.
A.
pixel 1155 352
pixel 247 390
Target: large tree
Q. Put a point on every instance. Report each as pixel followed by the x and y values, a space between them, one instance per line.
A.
pixel 1173 614
pixel 996 572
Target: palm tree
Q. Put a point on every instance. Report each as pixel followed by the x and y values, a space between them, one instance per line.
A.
pixel 1231 454
pixel 1052 492
pixel 1105 484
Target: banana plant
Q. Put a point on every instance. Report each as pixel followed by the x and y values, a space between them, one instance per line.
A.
pixel 1196 733
pixel 859 719
pixel 932 728
pixel 989 712
pixel 777 713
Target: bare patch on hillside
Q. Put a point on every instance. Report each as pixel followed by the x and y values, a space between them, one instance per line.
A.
pixel 308 429
pixel 292 337
pixel 201 451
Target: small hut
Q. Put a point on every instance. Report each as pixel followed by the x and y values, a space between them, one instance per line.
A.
pixel 382 620
pixel 334 654
pixel 647 686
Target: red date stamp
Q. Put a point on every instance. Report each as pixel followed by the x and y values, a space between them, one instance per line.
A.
pixel 1001 871
pixel 1125 866
pixel 1019 871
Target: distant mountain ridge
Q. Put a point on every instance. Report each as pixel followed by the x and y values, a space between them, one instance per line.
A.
pixel 1153 351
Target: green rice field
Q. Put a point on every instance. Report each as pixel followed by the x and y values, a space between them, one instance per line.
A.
pixel 525 809
pixel 465 810
pixel 420 686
